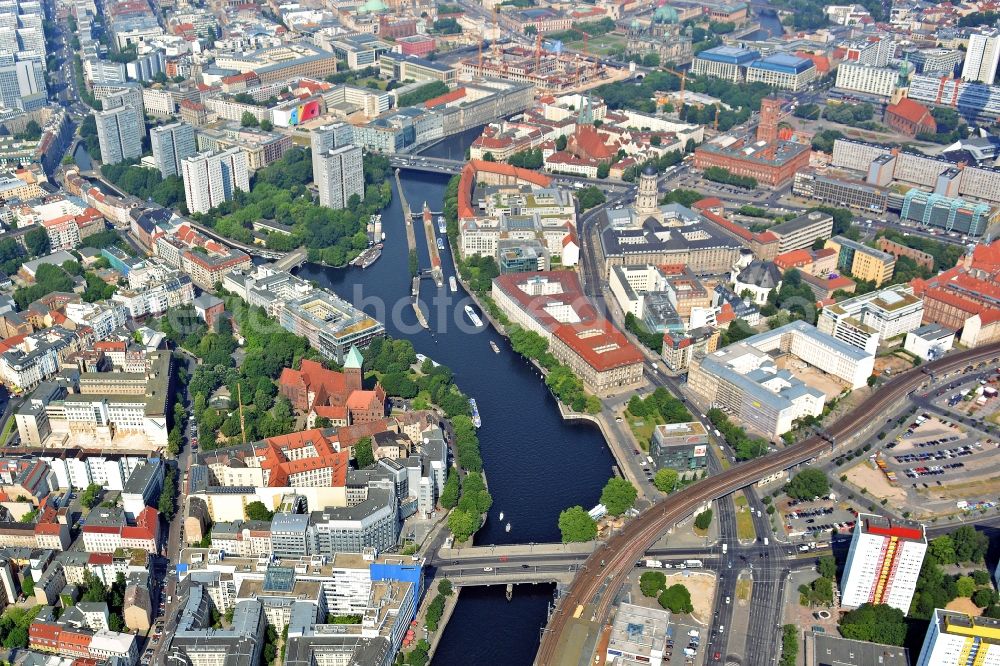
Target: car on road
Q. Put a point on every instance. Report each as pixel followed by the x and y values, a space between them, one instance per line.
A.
pixel 728 599
pixel 487 569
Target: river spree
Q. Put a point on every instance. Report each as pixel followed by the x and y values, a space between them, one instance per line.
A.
pixel 536 464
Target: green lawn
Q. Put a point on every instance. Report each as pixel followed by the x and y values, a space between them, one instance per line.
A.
pixel 7 429
pixel 603 45
pixel 642 429
pixel 744 520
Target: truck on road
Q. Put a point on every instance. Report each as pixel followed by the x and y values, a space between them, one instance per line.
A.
pixel 654 564
pixel 693 564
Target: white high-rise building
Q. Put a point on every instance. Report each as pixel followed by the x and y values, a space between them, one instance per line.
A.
pixel 982 57
pixel 957 639
pixel 211 178
pixel 22 82
pixel 339 174
pixel 883 563
pixel 326 138
pixel 171 145
pixel 119 135
pixel 129 95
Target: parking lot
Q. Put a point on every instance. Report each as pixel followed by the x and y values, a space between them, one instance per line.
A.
pixel 935 449
pixel 803 519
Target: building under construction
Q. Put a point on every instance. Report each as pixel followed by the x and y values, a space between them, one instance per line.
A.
pixel 550 72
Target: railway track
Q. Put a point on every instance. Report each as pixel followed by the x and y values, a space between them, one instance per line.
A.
pixel 610 565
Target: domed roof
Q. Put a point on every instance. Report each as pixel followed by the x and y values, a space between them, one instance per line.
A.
pixel 649 170
pixel 666 14
pixel 372 7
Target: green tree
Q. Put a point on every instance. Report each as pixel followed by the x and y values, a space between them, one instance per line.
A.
pixel 444 587
pixel 828 567
pixel 603 169
pixel 167 504
pixel 434 612
pixel 981 576
pixel 37 242
pixel 449 495
pixel 676 599
pixel 789 645
pixel 463 524
pixel 575 524
pixel 807 484
pixel 363 455
pixel 970 544
pixel 257 511
pixel 618 496
pixel 589 197
pixel 982 597
pixel 91 496
pixel 965 585
pixel 651 583
pixel 28 585
pixel 665 479
pixel 943 549
pixel 874 623
pixel 703 519
pixel 249 120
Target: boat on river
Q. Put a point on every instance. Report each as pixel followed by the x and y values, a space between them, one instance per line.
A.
pixel 507 529
pixel 476 420
pixel 453 284
pixel 442 228
pixel 493 346
pixel 473 317
pixel 440 243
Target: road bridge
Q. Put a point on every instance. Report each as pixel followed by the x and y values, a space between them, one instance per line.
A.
pixel 292 260
pixel 619 553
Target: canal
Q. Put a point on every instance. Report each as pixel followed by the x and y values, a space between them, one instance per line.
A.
pixel 536 463
pixel 770 26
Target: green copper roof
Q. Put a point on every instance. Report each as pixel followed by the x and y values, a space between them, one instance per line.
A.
pixel 354 359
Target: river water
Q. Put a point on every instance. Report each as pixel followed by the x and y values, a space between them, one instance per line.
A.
pixel 536 463
pixel 770 26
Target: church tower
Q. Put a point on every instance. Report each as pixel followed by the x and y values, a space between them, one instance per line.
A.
pixel 353 363
pixel 647 200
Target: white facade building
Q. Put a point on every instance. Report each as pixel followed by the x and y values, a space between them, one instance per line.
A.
pixel 982 57
pixel 878 81
pixel 171 145
pixel 864 321
pixel 957 639
pixel 211 178
pixel 883 563
pixel 340 175
pixel 119 135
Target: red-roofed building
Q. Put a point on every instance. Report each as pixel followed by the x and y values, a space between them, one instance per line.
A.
pixel 491 173
pixel 966 296
pixel 337 396
pixel 447 98
pixel 910 118
pixel 553 305
pixel 588 143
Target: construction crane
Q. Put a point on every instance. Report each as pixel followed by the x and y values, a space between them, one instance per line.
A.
pixel 683 76
pixel 538 50
pixel 716 126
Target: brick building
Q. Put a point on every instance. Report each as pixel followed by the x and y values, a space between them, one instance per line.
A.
pixel 909 117
pixel 337 396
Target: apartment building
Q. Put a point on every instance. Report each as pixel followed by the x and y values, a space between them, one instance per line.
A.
pixel 261 148
pixel 172 144
pixel 119 134
pixel 211 178
pixel 106 530
pixel 861 261
pixel 982 57
pixel 801 232
pixel 867 79
pixel 956 639
pixel 340 176
pixel 865 321
pixel 883 563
